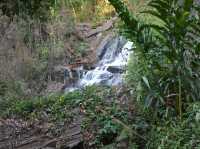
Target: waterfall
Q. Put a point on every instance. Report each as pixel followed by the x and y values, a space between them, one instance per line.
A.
pixel 113 58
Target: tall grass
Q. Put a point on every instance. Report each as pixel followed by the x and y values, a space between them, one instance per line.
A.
pixel 31 48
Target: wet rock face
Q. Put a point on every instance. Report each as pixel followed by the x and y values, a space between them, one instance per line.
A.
pixel 115 69
pixel 110 43
pixel 101 49
pixel 88 67
pixel 19 134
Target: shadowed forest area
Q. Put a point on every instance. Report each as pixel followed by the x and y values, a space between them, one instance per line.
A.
pixel 99 74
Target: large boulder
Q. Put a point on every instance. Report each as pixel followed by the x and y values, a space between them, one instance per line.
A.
pixel 101 49
pixel 115 69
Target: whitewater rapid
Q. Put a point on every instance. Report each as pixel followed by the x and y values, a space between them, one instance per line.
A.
pixel 109 70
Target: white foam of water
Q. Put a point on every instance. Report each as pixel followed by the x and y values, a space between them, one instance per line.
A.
pixel 100 75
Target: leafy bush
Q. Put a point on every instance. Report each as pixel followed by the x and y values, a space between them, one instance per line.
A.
pixel 34 8
pixel 177 135
pixel 169 52
pixel 56 106
pixel 3 88
pixel 107 132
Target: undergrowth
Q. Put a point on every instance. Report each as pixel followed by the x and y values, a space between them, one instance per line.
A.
pixel 108 122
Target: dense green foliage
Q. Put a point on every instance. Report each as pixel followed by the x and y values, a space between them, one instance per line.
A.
pixel 63 108
pixel 109 121
pixel 164 69
pixel 169 52
pixel 34 8
pixel 163 74
pixel 176 134
pixel 44 10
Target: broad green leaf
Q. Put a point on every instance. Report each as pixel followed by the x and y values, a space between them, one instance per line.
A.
pixel 146 82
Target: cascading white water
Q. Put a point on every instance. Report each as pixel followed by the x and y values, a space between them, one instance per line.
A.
pixel 113 58
pixel 109 69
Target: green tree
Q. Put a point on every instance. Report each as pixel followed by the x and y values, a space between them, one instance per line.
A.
pixel 170 51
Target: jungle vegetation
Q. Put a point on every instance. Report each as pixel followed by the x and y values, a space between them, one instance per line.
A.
pixel 162 76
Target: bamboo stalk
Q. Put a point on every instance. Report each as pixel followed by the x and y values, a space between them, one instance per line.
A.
pixel 180 98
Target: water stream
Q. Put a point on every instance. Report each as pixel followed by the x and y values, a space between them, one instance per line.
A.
pixel 113 58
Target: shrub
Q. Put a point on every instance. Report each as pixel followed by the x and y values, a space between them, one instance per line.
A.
pixel 170 52
pixel 34 8
pixel 179 135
